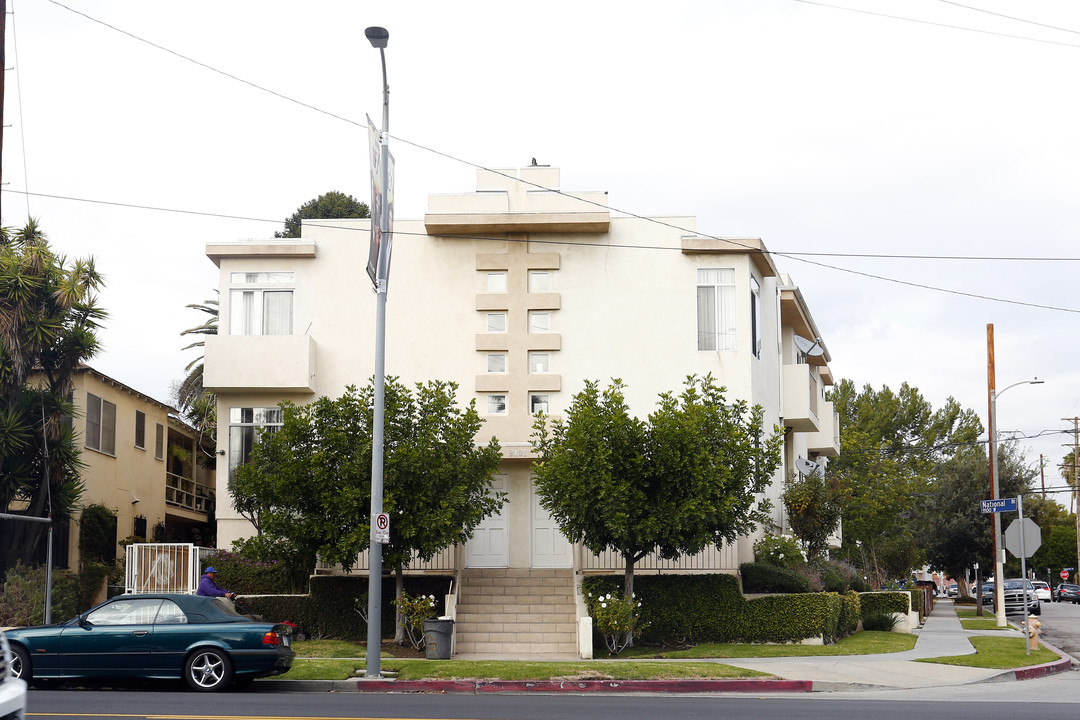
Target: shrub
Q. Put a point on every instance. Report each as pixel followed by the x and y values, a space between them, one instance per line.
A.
pixel 782 552
pixel 414 611
pixel 881 621
pixel 247 576
pixel 762 578
pixel 835 577
pixel 22 599
pixel 97 534
pixel 887 602
pixel 295 566
pixel 616 618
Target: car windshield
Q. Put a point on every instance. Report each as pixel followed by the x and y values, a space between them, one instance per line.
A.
pixel 1014 584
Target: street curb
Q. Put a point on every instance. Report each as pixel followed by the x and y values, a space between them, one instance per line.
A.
pixel 585 686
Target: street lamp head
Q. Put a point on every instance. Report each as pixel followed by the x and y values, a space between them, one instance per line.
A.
pixel 377 36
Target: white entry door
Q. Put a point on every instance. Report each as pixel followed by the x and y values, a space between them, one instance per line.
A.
pixel 488 547
pixel 550 548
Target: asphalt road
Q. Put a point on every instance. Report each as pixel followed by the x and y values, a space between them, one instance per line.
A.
pixel 181 705
pixel 1061 626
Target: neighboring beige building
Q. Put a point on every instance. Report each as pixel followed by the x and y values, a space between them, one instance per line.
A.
pixel 141 462
pixel 519 292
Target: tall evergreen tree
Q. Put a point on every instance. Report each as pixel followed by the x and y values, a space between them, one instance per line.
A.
pixel 49 320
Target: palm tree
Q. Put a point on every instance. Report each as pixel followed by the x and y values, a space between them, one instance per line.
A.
pixel 198 405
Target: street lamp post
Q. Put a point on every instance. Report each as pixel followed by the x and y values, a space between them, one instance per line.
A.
pixel 995 492
pixel 378 38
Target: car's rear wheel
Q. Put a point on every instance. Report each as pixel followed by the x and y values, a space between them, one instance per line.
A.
pixel 208 670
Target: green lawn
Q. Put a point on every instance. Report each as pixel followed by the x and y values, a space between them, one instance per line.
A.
pixel 997 652
pixel 867 642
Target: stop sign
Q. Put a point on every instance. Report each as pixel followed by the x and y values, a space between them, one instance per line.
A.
pixel 1032 536
pixel 1064 574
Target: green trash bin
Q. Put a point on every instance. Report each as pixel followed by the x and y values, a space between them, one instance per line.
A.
pixel 437 637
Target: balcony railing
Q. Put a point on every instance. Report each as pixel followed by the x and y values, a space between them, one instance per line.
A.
pixel 186 493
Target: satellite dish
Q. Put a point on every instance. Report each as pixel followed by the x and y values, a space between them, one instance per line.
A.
pixel 808 347
pixel 806 467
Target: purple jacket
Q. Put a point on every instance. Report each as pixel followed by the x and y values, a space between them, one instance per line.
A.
pixel 207 586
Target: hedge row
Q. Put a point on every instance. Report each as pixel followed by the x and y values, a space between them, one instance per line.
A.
pixel 883 603
pixel 682 609
pixel 329 608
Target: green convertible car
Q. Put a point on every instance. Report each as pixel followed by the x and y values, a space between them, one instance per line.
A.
pixel 204 640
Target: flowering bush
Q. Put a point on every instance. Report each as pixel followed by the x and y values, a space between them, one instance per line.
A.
pixel 414 611
pixel 783 552
pixel 616 618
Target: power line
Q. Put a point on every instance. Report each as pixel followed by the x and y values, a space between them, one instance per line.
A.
pixel 793 256
pixel 1009 17
pixel 937 24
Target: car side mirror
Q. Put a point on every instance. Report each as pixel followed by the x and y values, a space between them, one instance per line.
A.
pixel 83 622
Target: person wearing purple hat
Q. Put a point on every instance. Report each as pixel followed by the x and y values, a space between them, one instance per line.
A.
pixel 207 586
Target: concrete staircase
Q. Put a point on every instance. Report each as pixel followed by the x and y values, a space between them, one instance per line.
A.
pixel 516 611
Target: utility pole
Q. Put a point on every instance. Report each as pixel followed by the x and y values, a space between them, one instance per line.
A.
pixel 1042 474
pixel 1076 480
pixel 3 71
pixel 999 590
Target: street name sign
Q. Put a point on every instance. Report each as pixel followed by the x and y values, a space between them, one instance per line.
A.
pixel 999 505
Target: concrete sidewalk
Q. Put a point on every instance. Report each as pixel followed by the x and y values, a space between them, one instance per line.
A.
pixel 941 635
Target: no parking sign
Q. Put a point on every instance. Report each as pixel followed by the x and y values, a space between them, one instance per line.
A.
pixel 382 528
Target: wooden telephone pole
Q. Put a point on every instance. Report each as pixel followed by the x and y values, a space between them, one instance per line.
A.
pixel 1076 481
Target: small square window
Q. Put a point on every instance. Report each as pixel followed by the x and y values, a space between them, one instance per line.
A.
pixel 496 322
pixel 496 362
pixel 539 281
pixel 539 362
pixel 496 282
pixel 538 404
pixel 539 321
pixel 496 404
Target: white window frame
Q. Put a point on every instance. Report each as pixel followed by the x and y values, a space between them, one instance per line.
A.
pixel 540 281
pixel 542 399
pixel 245 426
pixel 496 281
pixel 100 425
pixel 493 327
pixel 497 404
pixel 716 309
pixel 250 296
pixel 539 362
pixel 755 317
pixel 496 363
pixel 539 321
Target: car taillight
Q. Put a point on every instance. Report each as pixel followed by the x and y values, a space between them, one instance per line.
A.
pixel 271 638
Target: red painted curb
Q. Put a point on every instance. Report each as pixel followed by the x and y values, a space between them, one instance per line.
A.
pixel 584 686
pixel 1037 671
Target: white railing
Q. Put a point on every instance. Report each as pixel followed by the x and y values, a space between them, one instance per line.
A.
pixel 186 493
pixel 711 559
pixel 163 567
pixel 442 562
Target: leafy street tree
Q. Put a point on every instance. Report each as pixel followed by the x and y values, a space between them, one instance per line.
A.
pixel 308 484
pixel 331 205
pixel 814 504
pixel 953 530
pixel 689 477
pixel 49 318
pixel 893 444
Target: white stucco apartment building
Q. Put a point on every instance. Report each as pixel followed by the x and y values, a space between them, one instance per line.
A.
pixel 519 292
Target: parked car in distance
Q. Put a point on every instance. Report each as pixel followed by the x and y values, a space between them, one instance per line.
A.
pixel 953 590
pixel 1067 592
pixel 1014 592
pixel 12 689
pixel 203 640
pixel 1042 590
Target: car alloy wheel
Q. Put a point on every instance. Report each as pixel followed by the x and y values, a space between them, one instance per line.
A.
pixel 207 670
pixel 20 663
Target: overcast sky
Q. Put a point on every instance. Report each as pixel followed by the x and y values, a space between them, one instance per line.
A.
pixel 894 127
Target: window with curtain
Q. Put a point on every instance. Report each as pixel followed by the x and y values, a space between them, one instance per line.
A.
pixel 261 310
pixel 496 404
pixel 100 424
pixel 538 403
pixel 716 325
pixel 539 362
pixel 245 426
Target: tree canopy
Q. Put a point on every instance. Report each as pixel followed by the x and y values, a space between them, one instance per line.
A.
pixel 328 206
pixel 814 504
pixel 308 483
pixel 689 476
pixel 49 320
pixel 893 443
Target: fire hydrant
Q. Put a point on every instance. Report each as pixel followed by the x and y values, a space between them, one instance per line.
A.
pixel 1033 634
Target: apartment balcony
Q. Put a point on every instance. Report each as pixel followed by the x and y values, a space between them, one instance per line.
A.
pixel 187 494
pixel 826 441
pixel 259 362
pixel 802 394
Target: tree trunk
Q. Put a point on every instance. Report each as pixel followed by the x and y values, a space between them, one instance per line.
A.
pixel 628 588
pixel 399 619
